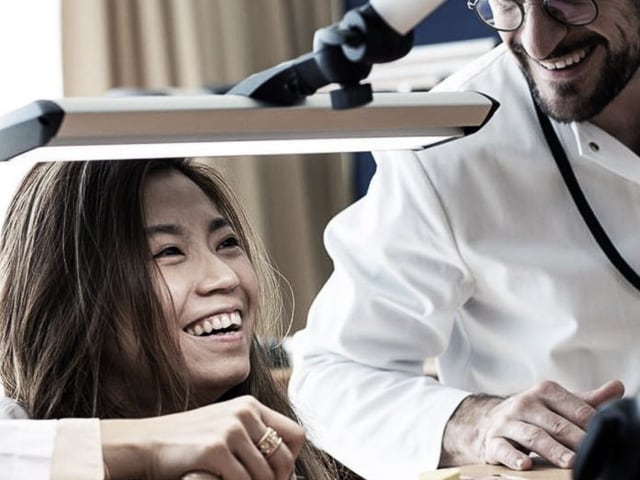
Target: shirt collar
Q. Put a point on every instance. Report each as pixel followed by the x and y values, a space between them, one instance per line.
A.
pixel 596 145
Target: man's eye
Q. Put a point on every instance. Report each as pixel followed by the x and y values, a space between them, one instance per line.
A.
pixel 168 252
pixel 505 5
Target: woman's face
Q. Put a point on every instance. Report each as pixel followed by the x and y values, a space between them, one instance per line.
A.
pixel 209 281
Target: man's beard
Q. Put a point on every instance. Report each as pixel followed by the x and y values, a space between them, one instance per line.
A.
pixel 574 105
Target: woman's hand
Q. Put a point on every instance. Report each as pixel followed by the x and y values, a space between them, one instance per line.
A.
pixel 200 476
pixel 220 439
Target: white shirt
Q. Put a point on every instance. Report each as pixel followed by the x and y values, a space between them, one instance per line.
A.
pixel 67 449
pixel 472 252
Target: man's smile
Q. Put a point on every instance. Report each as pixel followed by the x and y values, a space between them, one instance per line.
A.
pixel 566 61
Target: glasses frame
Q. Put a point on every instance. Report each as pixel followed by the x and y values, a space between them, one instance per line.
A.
pixel 473 5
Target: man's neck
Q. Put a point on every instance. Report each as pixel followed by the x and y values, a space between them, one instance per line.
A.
pixel 621 118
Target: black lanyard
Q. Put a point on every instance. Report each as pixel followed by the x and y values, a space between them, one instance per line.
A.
pixel 589 217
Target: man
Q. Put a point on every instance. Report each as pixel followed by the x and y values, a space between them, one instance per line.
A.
pixel 475 253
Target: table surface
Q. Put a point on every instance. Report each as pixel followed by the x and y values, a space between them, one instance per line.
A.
pixel 500 473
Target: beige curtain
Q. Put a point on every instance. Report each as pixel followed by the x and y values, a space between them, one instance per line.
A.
pixel 156 44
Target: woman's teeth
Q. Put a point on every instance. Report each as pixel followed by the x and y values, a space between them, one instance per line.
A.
pixel 566 61
pixel 216 324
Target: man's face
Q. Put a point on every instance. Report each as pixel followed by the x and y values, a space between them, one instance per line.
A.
pixel 574 72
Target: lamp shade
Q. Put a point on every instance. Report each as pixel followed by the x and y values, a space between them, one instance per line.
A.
pixel 88 128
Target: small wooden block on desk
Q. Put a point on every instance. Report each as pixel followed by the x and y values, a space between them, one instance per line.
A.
pixel 442 474
pixel 494 472
pixel 539 472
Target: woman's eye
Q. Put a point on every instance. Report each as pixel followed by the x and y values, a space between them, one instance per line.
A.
pixel 230 242
pixel 168 252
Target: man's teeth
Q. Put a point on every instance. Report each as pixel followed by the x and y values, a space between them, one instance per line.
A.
pixel 215 324
pixel 565 61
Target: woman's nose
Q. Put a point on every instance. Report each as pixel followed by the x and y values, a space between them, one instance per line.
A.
pixel 540 34
pixel 216 275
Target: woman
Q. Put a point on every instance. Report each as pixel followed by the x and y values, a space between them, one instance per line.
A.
pixel 136 289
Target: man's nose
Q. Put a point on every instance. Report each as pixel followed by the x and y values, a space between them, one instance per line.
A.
pixel 540 33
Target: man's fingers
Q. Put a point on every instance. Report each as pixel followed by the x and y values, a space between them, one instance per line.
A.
pixel 547 419
pixel 535 439
pixel 557 426
pixel 499 451
pixel 549 407
pixel 611 390
pixel 563 402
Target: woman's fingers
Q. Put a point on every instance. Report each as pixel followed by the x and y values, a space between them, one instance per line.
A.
pixel 249 454
pixel 291 432
pixel 268 442
pixel 200 476
pixel 277 453
pixel 276 438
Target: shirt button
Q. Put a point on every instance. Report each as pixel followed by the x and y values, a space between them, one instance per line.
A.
pixel 594 147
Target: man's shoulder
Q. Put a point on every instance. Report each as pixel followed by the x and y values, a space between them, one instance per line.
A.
pixel 497 75
pixel 484 74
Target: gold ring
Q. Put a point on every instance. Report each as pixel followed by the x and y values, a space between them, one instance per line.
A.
pixel 269 442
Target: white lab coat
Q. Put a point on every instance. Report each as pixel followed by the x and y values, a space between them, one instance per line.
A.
pixel 68 449
pixel 472 252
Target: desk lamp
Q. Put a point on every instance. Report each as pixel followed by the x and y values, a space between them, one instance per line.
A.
pixel 269 112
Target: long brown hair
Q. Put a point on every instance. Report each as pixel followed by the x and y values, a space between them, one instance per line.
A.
pixel 74 269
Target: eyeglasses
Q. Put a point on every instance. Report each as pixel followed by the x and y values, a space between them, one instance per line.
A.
pixel 508 15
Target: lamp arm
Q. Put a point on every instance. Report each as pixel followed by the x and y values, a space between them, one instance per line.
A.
pixel 343 53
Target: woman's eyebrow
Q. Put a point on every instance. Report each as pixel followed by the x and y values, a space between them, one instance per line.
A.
pixel 173 229
pixel 168 228
pixel 218 223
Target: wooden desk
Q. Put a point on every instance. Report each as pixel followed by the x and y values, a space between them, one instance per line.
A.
pixel 494 472
pixel 538 472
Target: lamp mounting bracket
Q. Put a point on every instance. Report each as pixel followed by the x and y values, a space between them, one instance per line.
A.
pixel 343 53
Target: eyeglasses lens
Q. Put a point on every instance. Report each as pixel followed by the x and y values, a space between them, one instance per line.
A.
pixel 499 14
pixel 572 12
pixel 508 14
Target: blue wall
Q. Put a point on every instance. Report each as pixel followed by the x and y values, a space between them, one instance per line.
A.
pixel 452 21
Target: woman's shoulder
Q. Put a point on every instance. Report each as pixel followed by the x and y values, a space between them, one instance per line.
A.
pixel 10 409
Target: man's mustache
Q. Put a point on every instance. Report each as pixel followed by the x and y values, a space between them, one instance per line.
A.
pixel 563 49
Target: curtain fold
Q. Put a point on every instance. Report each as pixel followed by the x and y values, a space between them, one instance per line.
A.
pixel 160 44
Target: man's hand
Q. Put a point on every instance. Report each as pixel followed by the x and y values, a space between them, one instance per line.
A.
pixel 547 420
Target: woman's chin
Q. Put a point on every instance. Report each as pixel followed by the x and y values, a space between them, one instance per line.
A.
pixel 211 390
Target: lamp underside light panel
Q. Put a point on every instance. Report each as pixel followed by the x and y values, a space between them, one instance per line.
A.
pixel 88 128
